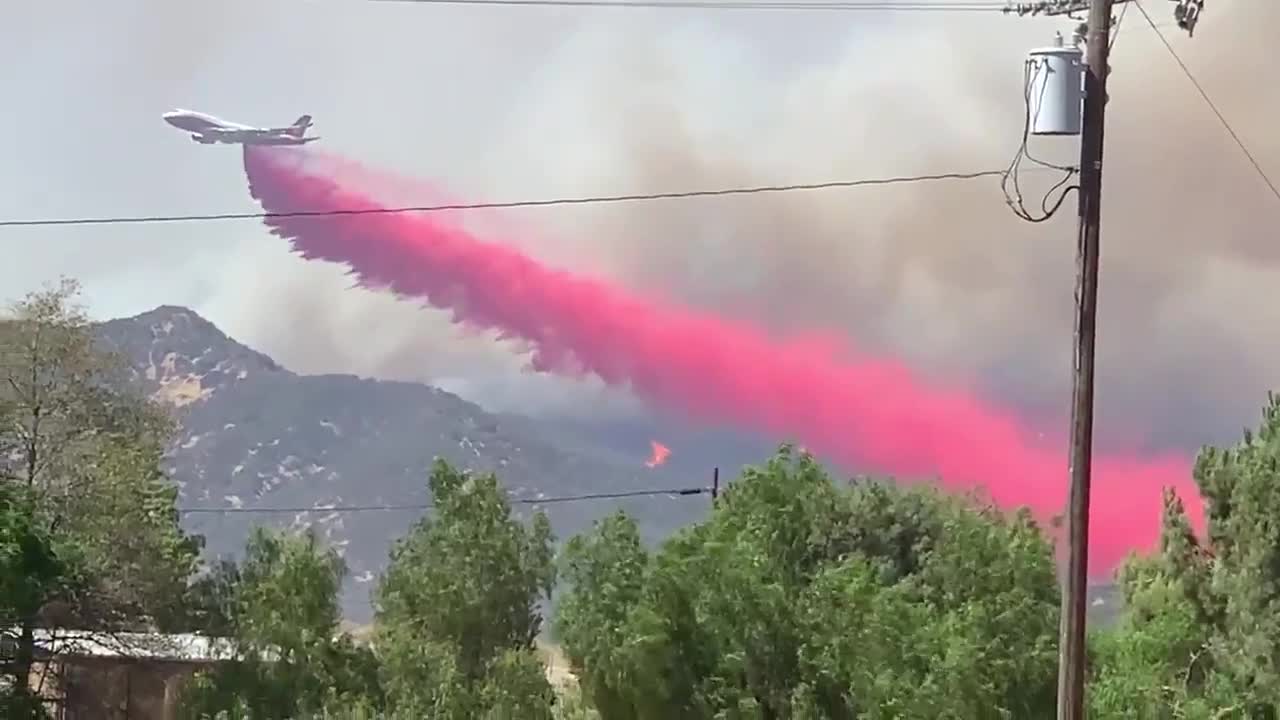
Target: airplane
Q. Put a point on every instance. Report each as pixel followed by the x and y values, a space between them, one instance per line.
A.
pixel 207 130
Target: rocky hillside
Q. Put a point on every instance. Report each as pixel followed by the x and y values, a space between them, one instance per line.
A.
pixel 274 447
pixel 256 437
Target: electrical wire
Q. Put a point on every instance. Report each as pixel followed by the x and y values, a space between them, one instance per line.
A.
pixel 1010 177
pixel 1115 29
pixel 145 219
pixel 427 506
pixel 1187 71
pixel 799 5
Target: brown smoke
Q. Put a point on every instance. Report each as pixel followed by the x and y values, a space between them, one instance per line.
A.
pixel 940 273
pixel 944 273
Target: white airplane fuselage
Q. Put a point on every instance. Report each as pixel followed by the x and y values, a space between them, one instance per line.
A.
pixel 208 129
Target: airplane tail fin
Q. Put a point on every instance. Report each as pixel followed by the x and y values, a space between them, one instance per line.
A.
pixel 299 126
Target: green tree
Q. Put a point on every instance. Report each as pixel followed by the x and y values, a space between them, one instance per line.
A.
pixel 30 572
pixel 1155 663
pixel 801 599
pixel 86 452
pixel 457 608
pixel 291 661
pixel 128 529
pixel 1200 637
pixel 601 622
pixel 211 599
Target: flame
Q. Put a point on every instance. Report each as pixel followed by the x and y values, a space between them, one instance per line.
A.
pixel 659 456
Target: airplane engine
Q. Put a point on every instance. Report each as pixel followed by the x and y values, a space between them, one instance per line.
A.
pixel 202 139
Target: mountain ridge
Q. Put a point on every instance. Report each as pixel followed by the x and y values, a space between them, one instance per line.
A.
pixel 254 436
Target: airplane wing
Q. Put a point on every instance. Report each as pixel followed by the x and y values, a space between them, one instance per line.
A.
pixel 296 129
pixel 238 127
pixel 241 132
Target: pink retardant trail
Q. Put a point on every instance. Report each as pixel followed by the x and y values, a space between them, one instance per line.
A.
pixel 862 412
pixel 379 185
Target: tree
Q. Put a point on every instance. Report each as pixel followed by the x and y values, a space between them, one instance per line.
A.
pixel 291 661
pixel 86 453
pixel 1200 637
pixel 599 621
pixel 127 525
pixel 801 599
pixel 457 608
pixel 30 572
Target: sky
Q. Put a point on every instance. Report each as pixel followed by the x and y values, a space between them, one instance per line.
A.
pixel 502 103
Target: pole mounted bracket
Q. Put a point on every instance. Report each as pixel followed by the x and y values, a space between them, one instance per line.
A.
pixel 1186 13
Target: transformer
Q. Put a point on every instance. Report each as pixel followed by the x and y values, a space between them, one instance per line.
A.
pixel 1055 89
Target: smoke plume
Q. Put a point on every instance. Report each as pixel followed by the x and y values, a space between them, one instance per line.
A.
pixel 572 102
pixel 863 411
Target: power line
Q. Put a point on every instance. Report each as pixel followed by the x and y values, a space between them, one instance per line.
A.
pixel 800 5
pixel 1187 71
pixel 599 199
pixel 1115 31
pixel 428 506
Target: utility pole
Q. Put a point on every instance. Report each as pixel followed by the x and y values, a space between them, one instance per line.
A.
pixel 1071 639
pixel 1096 32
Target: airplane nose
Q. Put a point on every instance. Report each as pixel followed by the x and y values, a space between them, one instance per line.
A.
pixel 177 120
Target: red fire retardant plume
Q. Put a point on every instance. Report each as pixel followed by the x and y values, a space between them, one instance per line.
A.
pixel 866 413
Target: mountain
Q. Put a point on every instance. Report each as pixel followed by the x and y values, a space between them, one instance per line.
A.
pixel 254 435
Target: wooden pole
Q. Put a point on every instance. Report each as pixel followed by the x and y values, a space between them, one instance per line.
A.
pixel 1071 657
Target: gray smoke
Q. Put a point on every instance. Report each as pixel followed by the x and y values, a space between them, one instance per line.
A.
pixel 502 103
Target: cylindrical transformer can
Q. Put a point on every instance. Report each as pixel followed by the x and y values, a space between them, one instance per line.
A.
pixel 1055 90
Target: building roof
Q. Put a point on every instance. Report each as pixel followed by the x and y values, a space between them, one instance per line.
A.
pixel 186 647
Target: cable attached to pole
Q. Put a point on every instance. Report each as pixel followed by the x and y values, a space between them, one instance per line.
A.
pixel 586 200
pixel 553 500
pixel 1009 181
